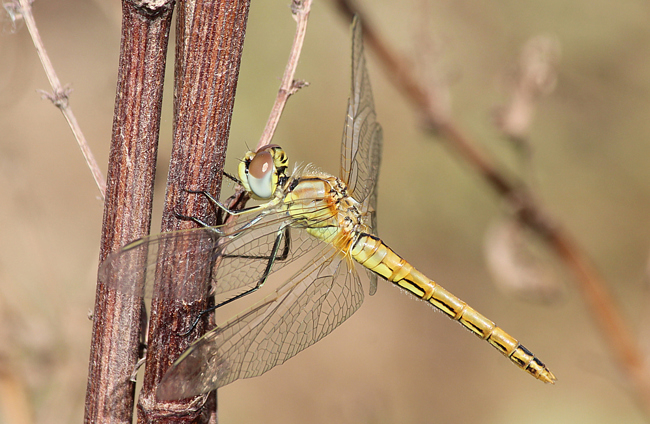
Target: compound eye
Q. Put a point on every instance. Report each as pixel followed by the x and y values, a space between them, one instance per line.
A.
pixel 260 174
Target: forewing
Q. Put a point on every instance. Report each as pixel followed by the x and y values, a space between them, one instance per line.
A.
pixel 132 269
pixel 307 307
pixel 229 259
pixel 362 135
pixel 246 254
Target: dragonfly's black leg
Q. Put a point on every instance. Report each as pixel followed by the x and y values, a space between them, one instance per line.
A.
pixel 275 255
pixel 230 177
pixel 211 199
pixel 194 219
pixel 220 205
pixel 213 202
pixel 282 257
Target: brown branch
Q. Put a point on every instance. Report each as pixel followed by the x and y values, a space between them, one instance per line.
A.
pixel 59 95
pixel 300 10
pixel 127 211
pixel 614 330
pixel 209 41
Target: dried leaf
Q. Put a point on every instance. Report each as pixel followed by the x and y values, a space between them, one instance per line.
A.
pixel 535 77
pixel 517 266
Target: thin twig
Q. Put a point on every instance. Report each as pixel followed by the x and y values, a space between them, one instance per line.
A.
pixel 614 330
pixel 300 10
pixel 59 95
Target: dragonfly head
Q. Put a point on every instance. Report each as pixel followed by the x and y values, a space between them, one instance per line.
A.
pixel 262 171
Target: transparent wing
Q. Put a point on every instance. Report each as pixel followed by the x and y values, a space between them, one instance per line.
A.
pixel 229 259
pixel 362 135
pixel 307 307
pixel 362 140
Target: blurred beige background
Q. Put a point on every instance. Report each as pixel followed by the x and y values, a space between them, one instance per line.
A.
pixel 395 360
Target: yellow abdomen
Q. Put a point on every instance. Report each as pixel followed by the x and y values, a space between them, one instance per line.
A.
pixel 372 253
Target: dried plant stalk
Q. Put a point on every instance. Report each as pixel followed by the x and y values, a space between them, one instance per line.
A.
pixel 127 211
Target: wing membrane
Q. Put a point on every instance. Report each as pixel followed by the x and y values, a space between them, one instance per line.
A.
pixel 229 259
pixel 307 307
pixel 362 135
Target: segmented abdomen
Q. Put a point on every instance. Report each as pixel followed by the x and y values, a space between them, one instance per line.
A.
pixel 372 253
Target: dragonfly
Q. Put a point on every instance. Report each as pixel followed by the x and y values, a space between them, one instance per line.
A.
pixel 322 225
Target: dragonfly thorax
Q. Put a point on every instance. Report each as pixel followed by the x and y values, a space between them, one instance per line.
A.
pixel 322 204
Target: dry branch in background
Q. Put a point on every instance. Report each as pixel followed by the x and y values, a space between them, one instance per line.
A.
pixel 526 208
pixel 515 255
pixel 288 86
pixel 300 10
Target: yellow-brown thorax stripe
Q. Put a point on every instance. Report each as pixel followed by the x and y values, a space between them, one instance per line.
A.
pixel 331 216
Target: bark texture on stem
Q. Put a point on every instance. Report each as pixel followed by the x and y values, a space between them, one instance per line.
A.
pixel 127 211
pixel 210 37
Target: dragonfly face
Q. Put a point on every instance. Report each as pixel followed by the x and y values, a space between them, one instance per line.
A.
pixel 324 225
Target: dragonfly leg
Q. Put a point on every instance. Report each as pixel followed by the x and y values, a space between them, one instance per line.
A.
pixel 230 177
pixel 215 204
pixel 223 207
pixel 275 255
pixel 283 235
pixel 194 219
